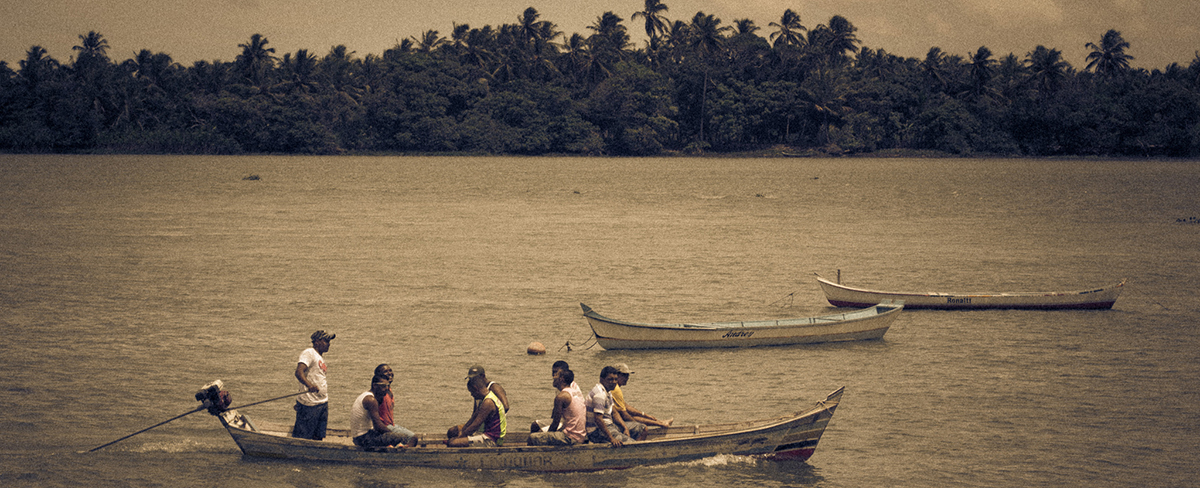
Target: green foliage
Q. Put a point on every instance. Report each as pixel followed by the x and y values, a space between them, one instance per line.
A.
pixel 526 88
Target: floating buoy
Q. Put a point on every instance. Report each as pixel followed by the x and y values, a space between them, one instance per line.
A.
pixel 536 348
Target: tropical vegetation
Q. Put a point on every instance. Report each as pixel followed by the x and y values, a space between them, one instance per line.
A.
pixel 695 85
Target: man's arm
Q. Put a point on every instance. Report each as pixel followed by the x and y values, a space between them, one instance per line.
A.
pixel 620 422
pixel 599 420
pixel 486 407
pixel 561 401
pixel 372 407
pixel 302 375
pixel 499 391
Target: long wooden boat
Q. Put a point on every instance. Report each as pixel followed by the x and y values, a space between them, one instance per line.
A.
pixel 791 437
pixel 868 323
pixel 1097 298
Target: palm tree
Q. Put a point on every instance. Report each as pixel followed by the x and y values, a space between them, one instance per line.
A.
pixel 934 66
pixel 983 67
pixel 429 41
pixel 1047 68
pixel 37 66
pixel 1108 58
pixel 92 45
pixel 708 35
pixel 656 23
pixel 745 27
pixel 608 42
pixel 93 55
pixel 834 42
pixel 789 31
pixel 255 60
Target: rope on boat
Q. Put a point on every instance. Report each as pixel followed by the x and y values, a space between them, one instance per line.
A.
pixel 790 298
pixel 271 400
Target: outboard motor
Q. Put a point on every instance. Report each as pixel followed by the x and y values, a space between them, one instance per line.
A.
pixel 214 397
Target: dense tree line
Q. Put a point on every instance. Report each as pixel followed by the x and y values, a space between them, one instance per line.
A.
pixel 527 88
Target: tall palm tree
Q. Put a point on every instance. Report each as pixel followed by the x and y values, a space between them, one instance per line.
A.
pixel 429 41
pixel 837 40
pixel 789 32
pixel 934 67
pixel 1108 58
pixel 37 66
pixel 92 45
pixel 255 60
pixel 1047 69
pixel 708 35
pixel 745 27
pixel 655 22
pixel 93 49
pixel 983 67
pixel 608 42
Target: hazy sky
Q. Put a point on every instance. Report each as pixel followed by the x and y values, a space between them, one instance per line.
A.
pixel 1160 31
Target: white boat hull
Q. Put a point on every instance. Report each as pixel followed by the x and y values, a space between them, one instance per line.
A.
pixel 790 438
pixel 869 323
pixel 1100 298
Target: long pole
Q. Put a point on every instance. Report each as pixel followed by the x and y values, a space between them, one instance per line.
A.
pixel 97 448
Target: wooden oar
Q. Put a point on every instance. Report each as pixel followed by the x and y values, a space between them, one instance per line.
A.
pixel 143 430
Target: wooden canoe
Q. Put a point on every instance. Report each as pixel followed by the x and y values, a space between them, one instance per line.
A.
pixel 1097 298
pixel 791 437
pixel 869 323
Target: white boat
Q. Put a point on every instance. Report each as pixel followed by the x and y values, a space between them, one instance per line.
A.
pixel 792 437
pixel 1096 298
pixel 868 323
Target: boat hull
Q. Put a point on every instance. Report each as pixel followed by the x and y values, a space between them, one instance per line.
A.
pixel 788 438
pixel 1100 298
pixel 869 323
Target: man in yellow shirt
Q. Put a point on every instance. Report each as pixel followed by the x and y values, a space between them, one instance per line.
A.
pixel 636 420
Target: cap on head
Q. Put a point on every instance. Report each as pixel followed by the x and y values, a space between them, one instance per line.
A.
pixel 321 335
pixel 622 368
pixel 475 370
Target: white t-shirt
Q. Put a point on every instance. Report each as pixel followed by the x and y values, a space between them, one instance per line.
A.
pixel 599 400
pixel 360 417
pixel 316 375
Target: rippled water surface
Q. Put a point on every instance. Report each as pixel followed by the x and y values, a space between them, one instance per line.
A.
pixel 127 282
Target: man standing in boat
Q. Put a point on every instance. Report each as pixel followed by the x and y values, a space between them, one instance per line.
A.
pixel 312 408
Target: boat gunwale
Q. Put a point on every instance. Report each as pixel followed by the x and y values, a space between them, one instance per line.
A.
pixel 784 427
pixel 871 311
pixel 1029 294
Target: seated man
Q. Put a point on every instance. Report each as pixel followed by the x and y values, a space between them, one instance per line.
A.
pixel 488 417
pixel 387 406
pixel 635 419
pixel 569 414
pixel 573 389
pixel 609 428
pixel 492 386
pixel 366 425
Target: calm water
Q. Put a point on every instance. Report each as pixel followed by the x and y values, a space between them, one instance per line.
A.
pixel 126 283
